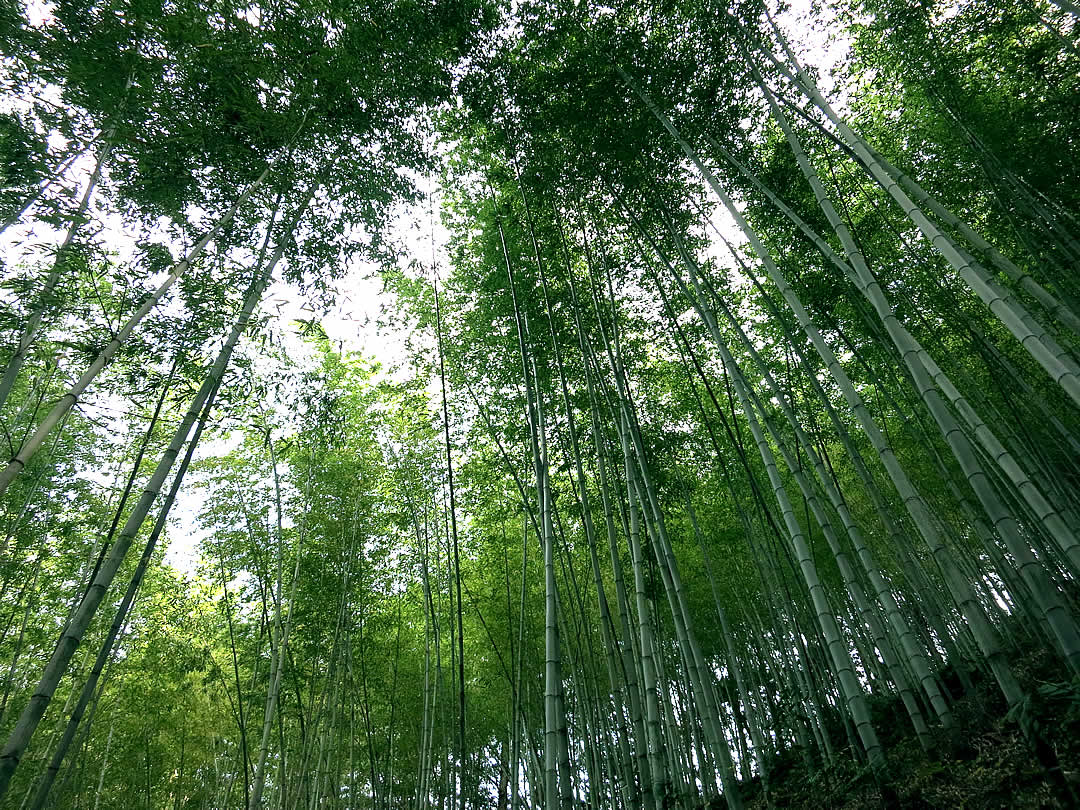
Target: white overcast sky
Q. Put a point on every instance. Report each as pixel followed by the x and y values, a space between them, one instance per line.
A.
pixel 353 322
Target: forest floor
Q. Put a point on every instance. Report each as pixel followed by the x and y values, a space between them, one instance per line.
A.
pixel 985 761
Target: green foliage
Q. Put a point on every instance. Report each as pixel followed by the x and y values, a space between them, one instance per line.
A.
pixel 590 270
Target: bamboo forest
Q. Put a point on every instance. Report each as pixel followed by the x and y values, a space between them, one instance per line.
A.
pixel 555 404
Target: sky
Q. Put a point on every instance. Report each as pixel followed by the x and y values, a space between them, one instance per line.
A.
pixel 353 323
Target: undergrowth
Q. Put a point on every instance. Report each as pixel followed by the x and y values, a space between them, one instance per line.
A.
pixel 1022 759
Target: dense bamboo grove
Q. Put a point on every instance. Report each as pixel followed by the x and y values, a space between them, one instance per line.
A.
pixel 737 430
